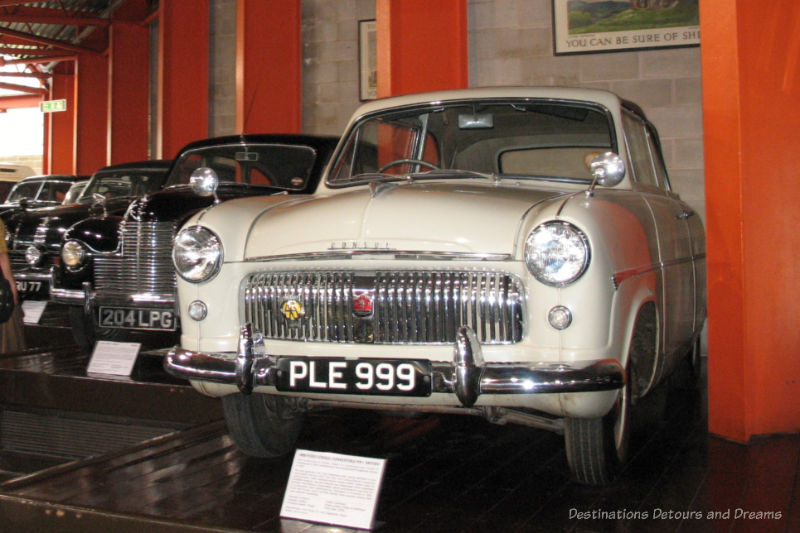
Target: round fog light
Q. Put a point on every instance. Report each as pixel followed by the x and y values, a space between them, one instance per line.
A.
pixel 560 317
pixel 33 256
pixel 198 310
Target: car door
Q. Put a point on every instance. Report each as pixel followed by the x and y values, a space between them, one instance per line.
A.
pixel 676 266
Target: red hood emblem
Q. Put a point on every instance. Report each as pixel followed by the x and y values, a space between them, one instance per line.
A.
pixel 363 303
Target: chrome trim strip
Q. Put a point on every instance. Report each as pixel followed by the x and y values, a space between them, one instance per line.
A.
pixel 382 252
pixel 67 296
pixel 36 276
pixel 618 277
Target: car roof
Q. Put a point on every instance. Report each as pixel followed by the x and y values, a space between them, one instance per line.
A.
pixel 151 164
pixel 53 177
pixel 315 141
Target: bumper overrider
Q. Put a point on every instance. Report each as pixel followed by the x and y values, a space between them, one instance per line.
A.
pixel 467 376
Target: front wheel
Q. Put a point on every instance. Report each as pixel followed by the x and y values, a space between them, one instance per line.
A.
pixel 597 448
pixel 262 425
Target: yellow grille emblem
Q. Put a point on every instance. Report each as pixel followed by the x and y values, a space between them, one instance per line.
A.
pixel 292 309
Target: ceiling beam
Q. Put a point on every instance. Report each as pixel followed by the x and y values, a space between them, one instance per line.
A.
pixel 40 75
pixel 37 60
pixel 20 102
pixel 15 51
pixel 23 88
pixel 45 41
pixel 51 16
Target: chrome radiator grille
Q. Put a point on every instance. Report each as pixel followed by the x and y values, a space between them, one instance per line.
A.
pixel 145 264
pixel 385 307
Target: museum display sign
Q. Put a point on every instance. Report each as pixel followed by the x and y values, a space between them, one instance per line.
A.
pixel 584 26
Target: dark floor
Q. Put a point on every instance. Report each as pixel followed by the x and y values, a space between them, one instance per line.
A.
pixel 444 473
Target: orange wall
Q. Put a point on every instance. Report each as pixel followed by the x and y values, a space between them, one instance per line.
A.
pixel 60 132
pixel 268 62
pixel 183 27
pixel 91 112
pixel 751 93
pixel 422 45
pixel 129 91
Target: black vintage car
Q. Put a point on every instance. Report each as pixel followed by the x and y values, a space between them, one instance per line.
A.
pixel 35 235
pixel 116 271
pixel 38 191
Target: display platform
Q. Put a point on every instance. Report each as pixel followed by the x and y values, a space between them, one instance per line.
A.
pixel 443 473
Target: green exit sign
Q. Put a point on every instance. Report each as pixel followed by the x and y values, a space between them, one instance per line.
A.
pixel 51 106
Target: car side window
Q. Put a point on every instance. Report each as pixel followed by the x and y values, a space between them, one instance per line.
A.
pixel 658 160
pixel 639 150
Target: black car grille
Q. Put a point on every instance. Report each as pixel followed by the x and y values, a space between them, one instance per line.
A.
pixel 385 307
pixel 144 265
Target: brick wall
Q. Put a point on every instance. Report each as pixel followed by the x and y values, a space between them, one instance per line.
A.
pixel 222 66
pixel 511 43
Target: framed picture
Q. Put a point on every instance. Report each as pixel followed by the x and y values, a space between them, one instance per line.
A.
pixel 367 61
pixel 585 26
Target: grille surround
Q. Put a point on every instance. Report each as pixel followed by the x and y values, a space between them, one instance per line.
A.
pixel 143 264
pixel 409 306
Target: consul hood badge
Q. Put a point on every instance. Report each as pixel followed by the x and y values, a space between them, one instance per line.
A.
pixel 360 245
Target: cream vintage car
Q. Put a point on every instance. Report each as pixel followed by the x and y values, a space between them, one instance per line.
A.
pixel 512 253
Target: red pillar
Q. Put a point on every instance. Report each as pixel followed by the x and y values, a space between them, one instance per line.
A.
pixel 751 108
pixel 422 46
pixel 183 74
pixel 129 90
pixel 268 66
pixel 60 128
pixel 91 112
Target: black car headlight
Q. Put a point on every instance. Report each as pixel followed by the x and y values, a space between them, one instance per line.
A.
pixel 557 253
pixel 73 254
pixel 197 254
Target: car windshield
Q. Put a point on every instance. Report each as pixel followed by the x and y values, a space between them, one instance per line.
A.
pixel 120 183
pixel 24 190
pixel 521 139
pixel 74 192
pixel 267 165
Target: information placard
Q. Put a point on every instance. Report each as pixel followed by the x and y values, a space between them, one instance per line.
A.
pixel 32 310
pixel 331 488
pixel 114 358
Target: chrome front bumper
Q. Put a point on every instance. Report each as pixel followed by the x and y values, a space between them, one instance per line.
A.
pixel 467 376
pixel 89 298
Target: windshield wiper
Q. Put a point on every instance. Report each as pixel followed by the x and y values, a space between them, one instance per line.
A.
pixel 454 173
pixel 378 177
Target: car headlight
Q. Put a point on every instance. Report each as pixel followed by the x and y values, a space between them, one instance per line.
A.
pixel 73 254
pixel 557 253
pixel 197 254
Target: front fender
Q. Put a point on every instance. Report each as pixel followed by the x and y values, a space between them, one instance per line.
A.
pixel 98 234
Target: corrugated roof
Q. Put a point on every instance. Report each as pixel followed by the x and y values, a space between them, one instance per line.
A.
pixel 36 34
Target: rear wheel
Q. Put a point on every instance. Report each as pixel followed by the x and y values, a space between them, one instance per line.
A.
pixel 597 448
pixel 262 425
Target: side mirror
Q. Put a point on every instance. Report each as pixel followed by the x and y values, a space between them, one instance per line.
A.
pixel 607 169
pixel 204 181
